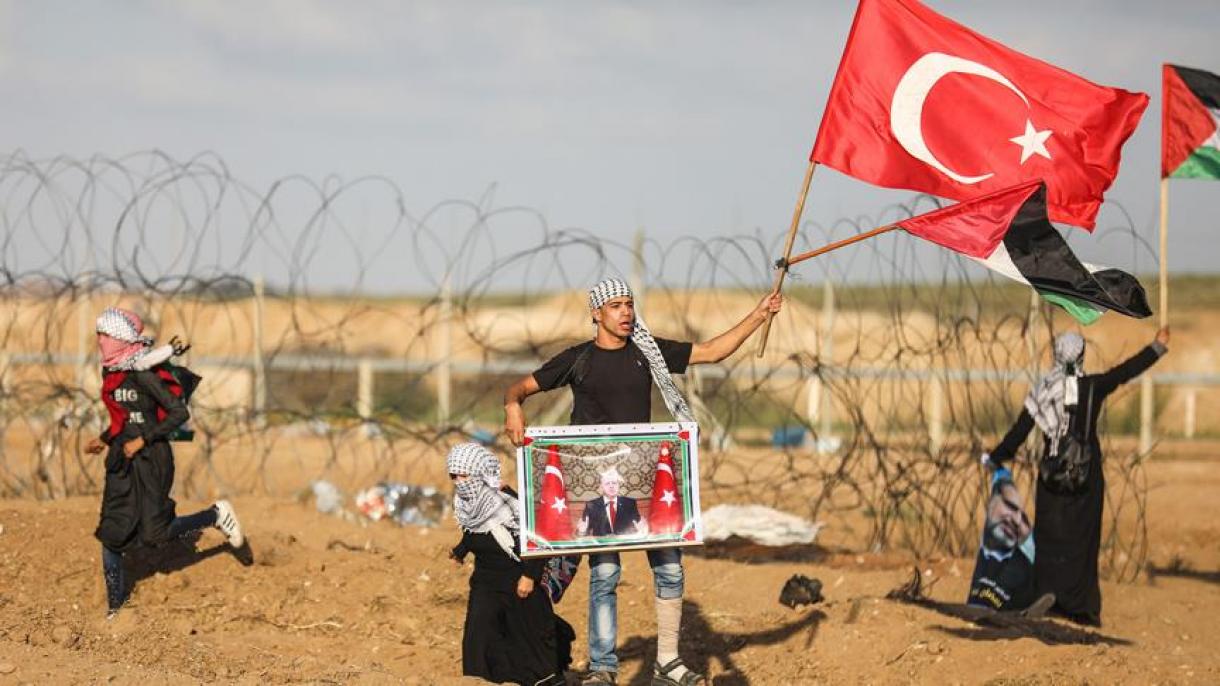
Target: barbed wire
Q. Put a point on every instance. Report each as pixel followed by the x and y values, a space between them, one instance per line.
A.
pixel 343 336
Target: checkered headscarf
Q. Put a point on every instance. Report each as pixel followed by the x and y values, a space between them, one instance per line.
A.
pixel 122 344
pixel 1048 401
pixel 478 503
pixel 608 289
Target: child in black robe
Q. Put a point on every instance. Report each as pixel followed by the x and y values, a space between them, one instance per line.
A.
pixel 512 633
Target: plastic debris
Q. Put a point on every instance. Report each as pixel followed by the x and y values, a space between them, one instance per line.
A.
pixel 758 523
pixel 788 436
pixel 483 437
pixel 403 503
pixel 327 497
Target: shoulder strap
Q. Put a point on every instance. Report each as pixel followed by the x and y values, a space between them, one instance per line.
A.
pixel 575 374
pixel 1082 428
pixel 1088 417
pixel 118 414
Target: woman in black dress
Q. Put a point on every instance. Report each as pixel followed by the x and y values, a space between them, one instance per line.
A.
pixel 1065 404
pixel 136 507
pixel 511 633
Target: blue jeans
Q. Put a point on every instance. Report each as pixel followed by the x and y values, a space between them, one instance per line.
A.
pixel 605 570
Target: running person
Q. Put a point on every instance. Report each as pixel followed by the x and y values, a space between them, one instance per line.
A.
pixel 611 379
pixel 136 507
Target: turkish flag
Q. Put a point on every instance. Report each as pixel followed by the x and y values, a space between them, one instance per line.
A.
pixel 665 514
pixel 553 521
pixel 924 103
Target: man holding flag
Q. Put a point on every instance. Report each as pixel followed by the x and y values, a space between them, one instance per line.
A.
pixel 611 378
pixel 923 103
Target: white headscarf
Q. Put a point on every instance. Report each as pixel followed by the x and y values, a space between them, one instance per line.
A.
pixel 1049 399
pixel 478 503
pixel 608 289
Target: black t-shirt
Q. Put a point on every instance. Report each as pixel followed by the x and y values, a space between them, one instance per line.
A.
pixel 610 386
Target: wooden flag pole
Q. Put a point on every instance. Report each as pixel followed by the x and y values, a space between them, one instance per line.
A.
pixel 1164 257
pixel 781 273
pixel 838 244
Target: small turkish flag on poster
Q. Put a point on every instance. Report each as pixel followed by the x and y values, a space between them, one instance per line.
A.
pixel 665 515
pixel 554 522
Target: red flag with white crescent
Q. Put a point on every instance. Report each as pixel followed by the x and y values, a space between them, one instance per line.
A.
pixel 553 520
pixel 924 103
pixel 665 514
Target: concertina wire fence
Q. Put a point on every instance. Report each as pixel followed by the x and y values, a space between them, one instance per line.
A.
pixel 327 371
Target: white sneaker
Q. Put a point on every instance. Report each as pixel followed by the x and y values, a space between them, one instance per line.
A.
pixel 226 521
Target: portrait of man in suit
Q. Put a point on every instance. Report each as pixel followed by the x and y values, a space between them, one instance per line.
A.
pixel 611 514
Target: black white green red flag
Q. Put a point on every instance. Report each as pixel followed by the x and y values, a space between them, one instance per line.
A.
pixel 1008 232
pixel 1190 123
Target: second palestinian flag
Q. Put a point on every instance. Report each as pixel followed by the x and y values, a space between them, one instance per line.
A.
pixel 1008 232
pixel 1190 123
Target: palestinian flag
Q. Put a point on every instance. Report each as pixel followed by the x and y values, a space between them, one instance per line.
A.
pixel 1190 123
pixel 1008 232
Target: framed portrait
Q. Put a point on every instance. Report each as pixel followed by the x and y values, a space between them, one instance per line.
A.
pixel 609 487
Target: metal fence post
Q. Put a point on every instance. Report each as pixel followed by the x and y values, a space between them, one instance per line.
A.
pixel 444 368
pixel 364 394
pixel 1145 414
pixel 260 373
pixel 1188 419
pixel 936 399
pixel 825 411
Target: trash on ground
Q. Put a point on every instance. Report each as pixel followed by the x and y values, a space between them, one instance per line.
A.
pixel 801 590
pixel 403 503
pixel 758 523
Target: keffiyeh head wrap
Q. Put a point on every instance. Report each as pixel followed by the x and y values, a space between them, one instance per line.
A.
pixel 122 345
pixel 1049 399
pixel 609 289
pixel 478 503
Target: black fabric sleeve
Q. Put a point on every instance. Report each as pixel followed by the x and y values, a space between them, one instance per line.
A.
pixel 676 354
pixel 176 413
pixel 1013 439
pixel 533 566
pixel 1128 370
pixel 459 551
pixel 555 372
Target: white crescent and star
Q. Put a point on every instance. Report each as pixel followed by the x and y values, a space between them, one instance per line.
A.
pixel 906 111
pixel 668 498
pixel 559 505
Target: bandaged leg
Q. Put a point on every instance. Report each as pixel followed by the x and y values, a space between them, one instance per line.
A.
pixel 669 581
pixel 669 625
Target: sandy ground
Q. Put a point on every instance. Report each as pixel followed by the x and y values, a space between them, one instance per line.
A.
pixel 331 601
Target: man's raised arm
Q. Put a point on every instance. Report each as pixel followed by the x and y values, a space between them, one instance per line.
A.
pixel 727 343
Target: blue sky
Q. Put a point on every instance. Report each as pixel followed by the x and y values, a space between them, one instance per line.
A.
pixel 684 118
